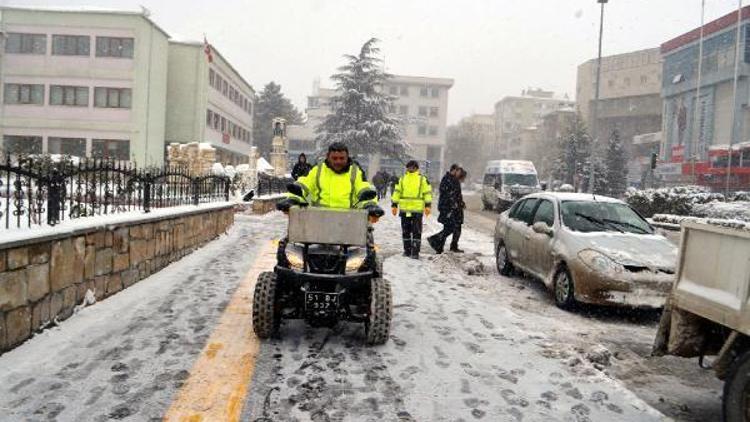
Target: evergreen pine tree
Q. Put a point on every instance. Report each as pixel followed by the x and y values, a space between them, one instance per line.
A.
pixel 574 151
pixel 360 117
pixel 617 170
pixel 271 104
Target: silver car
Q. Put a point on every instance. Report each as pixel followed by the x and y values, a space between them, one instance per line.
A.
pixel 586 248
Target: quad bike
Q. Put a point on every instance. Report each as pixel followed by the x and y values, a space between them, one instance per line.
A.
pixel 327 271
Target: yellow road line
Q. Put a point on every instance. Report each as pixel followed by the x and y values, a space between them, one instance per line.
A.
pixel 217 386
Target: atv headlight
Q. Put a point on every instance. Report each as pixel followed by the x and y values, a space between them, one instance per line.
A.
pixel 294 256
pixel 599 262
pixel 355 259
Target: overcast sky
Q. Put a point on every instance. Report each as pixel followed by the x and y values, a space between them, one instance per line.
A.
pixel 490 48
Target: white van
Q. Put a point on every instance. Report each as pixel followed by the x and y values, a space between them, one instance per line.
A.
pixel 505 181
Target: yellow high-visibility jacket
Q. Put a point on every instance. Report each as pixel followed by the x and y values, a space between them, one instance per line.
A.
pixel 325 188
pixel 413 193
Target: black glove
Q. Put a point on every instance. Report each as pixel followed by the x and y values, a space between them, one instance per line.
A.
pixel 287 203
pixel 374 211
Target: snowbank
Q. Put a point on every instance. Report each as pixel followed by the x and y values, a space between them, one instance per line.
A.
pixel 676 220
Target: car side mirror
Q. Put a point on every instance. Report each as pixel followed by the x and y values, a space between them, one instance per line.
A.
pixel 295 189
pixel 367 195
pixel 542 228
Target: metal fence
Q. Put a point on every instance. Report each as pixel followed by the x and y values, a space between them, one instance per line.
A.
pixel 38 191
pixel 269 185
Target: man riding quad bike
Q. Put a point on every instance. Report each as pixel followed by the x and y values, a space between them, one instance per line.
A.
pixel 327 269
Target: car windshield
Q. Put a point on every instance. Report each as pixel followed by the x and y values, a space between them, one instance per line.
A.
pixel 510 179
pixel 593 216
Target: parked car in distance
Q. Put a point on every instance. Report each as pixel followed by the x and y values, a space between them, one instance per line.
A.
pixel 586 248
pixel 505 181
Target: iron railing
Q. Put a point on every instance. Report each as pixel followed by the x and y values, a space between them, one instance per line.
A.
pixel 269 185
pixel 38 191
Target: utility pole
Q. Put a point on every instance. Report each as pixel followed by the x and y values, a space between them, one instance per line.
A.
pixel 595 110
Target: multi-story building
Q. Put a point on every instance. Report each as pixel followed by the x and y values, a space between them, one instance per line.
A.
pixel 208 101
pixel 514 114
pixel 470 142
pixel 422 104
pixel 703 115
pixel 83 83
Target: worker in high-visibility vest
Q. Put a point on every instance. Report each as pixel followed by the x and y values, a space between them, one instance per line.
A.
pixel 411 199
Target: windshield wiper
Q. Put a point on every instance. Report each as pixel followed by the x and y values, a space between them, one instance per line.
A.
pixel 625 223
pixel 599 222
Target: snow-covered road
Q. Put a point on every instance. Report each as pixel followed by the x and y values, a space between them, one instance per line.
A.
pixel 463 347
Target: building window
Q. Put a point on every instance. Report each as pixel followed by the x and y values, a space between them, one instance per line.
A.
pixel 434 111
pixel 114 149
pixel 211 77
pixel 404 91
pixel 644 79
pixel 69 95
pixel 403 110
pixel 114 47
pixel 424 91
pixel 422 130
pixel 26 43
pixel 393 90
pixel 224 87
pixel 611 83
pixel 71 45
pixel 223 124
pixel 433 131
pixel 66 146
pixel 217 121
pixel 112 97
pixel 15 145
pixel 24 94
pixel 433 153
pixel 422 111
pixel 435 92
pixel 209 118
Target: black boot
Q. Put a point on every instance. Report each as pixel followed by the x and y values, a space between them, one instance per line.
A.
pixel 415 247
pixel 435 244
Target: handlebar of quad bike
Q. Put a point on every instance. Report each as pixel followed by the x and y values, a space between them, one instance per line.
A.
pixel 374 212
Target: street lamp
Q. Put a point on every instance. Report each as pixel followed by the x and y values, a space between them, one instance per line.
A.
pixel 595 111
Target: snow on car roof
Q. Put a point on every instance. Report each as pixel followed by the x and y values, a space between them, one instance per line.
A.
pixel 571 196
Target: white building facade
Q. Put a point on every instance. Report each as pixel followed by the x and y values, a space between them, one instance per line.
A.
pixel 83 83
pixel 208 101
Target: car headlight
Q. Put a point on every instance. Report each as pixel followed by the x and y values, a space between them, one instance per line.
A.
pixel 355 259
pixel 599 262
pixel 294 257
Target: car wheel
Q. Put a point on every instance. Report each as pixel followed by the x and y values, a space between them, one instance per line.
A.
pixel 736 402
pixel 564 290
pixel 502 260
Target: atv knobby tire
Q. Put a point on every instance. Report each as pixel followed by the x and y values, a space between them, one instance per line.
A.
pixel 378 325
pixel 265 317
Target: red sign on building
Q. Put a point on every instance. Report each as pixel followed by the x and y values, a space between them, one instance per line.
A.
pixel 225 138
pixel 678 153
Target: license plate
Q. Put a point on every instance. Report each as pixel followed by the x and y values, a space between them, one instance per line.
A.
pixel 318 301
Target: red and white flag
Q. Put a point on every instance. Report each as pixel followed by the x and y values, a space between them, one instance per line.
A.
pixel 207 50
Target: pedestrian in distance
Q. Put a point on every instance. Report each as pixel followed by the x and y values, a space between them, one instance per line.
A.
pixel 411 200
pixel 301 168
pixel 380 180
pixel 451 208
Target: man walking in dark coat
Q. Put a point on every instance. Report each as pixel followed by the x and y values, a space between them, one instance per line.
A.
pixel 451 207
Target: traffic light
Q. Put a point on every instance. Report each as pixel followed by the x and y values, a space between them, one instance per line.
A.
pixel 653 160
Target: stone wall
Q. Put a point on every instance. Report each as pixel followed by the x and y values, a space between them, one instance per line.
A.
pixel 43 280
